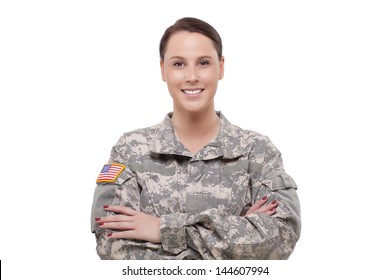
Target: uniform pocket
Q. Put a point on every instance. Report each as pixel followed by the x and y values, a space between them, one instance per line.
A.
pixel 161 189
pixel 280 182
pixel 234 185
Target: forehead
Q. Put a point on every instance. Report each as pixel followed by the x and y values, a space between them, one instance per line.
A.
pixel 184 43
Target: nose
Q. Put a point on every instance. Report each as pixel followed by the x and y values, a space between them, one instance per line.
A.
pixel 192 74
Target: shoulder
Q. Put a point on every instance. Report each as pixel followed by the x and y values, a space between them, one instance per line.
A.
pixel 136 141
pixel 138 136
pixel 259 143
pixel 145 135
pixel 250 135
pixel 253 145
pixel 246 137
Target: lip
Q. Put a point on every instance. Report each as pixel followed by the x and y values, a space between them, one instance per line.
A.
pixel 192 91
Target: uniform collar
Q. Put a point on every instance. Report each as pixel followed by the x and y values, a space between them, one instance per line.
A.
pixel 226 144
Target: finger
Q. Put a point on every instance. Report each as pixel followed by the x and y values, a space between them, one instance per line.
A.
pixel 117 225
pixel 257 205
pixel 120 209
pixel 268 212
pixel 128 234
pixel 115 218
pixel 269 206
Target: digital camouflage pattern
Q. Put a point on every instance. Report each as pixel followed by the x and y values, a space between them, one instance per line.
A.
pixel 201 200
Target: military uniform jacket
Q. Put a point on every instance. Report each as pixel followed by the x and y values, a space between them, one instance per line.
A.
pixel 200 199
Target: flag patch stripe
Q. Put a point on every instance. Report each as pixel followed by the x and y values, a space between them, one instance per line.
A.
pixel 110 172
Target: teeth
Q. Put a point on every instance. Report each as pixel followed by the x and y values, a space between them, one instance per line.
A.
pixel 192 92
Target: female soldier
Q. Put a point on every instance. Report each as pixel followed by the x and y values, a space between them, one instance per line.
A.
pixel 194 186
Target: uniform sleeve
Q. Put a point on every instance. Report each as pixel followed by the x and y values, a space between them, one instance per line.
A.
pixel 218 235
pixel 124 191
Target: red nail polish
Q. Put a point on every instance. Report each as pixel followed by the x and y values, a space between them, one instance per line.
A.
pixel 264 198
pixel 100 224
pixel 274 202
pixel 105 206
pixel 97 219
pixel 109 235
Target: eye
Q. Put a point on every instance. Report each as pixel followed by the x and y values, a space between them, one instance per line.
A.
pixel 178 64
pixel 204 62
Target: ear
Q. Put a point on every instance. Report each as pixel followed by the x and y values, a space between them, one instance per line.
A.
pixel 221 67
pixel 162 70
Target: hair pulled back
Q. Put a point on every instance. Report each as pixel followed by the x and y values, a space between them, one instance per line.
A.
pixel 191 25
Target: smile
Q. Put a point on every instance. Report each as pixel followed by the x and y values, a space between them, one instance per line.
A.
pixel 192 91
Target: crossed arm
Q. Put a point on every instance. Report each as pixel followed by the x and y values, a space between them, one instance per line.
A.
pixel 132 224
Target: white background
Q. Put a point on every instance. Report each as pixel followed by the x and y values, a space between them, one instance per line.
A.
pixel 312 75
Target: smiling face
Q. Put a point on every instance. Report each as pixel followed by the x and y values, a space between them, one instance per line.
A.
pixel 191 69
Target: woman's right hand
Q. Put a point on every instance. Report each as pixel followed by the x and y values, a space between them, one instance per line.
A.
pixel 130 224
pixel 260 206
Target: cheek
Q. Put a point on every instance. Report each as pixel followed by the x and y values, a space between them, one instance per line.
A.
pixel 210 77
pixel 174 77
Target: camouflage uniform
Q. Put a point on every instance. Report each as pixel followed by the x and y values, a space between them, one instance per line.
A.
pixel 201 200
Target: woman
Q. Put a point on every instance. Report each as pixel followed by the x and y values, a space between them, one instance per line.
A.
pixel 194 186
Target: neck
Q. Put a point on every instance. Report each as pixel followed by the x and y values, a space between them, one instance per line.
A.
pixel 195 124
pixel 194 131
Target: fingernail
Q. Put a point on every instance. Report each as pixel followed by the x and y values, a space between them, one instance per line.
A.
pixel 105 206
pixel 109 235
pixel 97 219
pixel 274 202
pixel 100 224
pixel 264 198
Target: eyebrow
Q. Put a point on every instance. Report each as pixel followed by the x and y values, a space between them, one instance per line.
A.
pixel 182 58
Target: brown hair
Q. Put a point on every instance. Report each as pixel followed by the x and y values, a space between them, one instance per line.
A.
pixel 191 25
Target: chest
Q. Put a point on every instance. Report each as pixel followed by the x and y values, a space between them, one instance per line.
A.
pixel 179 185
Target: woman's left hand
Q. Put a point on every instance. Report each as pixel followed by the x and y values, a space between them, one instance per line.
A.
pixel 130 224
pixel 261 207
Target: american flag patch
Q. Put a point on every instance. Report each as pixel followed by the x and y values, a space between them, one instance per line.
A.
pixel 110 172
